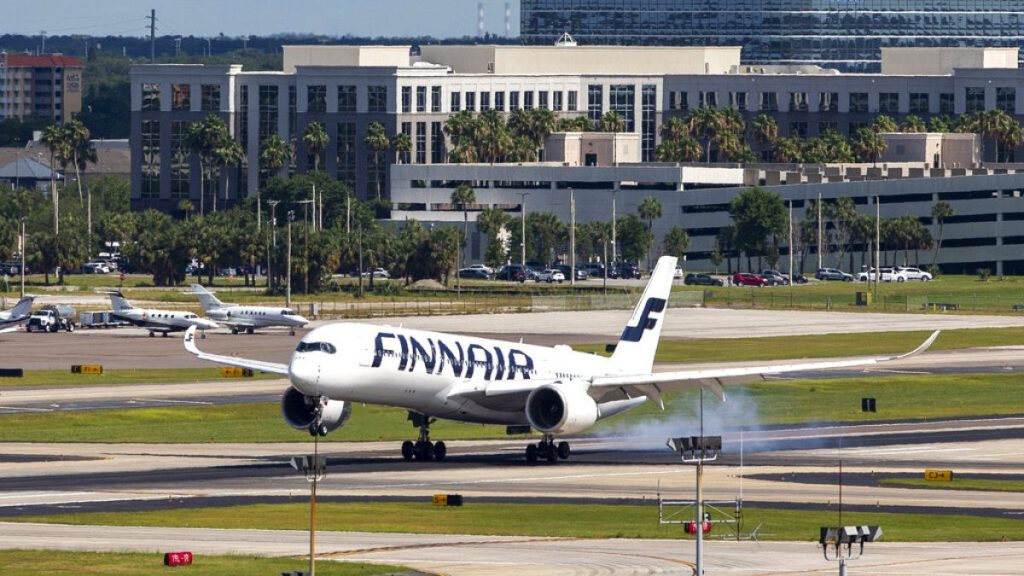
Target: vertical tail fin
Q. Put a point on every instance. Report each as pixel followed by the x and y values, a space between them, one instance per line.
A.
pixel 639 341
pixel 117 300
pixel 22 308
pixel 206 298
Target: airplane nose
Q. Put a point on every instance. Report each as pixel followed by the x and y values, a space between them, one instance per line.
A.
pixel 304 375
pixel 210 325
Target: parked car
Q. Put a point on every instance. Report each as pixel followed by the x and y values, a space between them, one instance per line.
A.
pixel 483 267
pixel 799 279
pixel 593 269
pixel 512 272
pixel 748 279
pixel 625 270
pixel 581 274
pixel 702 280
pixel 474 273
pixel 95 268
pixel 887 275
pixel 833 274
pixel 915 274
pixel 775 278
pixel 550 275
pixel 377 273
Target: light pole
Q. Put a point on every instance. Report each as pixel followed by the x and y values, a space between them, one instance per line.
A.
pixel 305 243
pixel 23 246
pixel 273 225
pixel 698 450
pixel 314 467
pixel 522 233
pixel 614 256
pixel 288 287
pixel 572 237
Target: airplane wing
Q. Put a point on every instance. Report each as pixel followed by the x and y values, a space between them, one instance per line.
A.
pixel 271 367
pixel 713 377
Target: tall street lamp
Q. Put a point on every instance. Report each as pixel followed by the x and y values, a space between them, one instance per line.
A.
pixel 305 243
pixel 522 232
pixel 23 246
pixel 288 287
pixel 273 224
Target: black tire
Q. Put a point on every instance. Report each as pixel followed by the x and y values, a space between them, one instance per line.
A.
pixel 151 335
pixel 407 450
pixel 440 451
pixel 531 453
pixel 71 327
pixel 424 451
pixel 250 331
pixel 563 450
pixel 551 454
pixel 234 331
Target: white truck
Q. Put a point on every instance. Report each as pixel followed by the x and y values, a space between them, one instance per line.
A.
pixel 52 319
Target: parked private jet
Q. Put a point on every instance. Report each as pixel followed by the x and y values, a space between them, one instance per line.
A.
pixel 556 391
pixel 10 319
pixel 247 318
pixel 162 321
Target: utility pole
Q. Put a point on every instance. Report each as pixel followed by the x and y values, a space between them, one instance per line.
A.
pixel 572 237
pixel 348 213
pixel 42 42
pixel 614 255
pixel 878 244
pixel 288 288
pixel 23 246
pixel 314 206
pixel 152 36
pixel 790 243
pixel 819 230
pixel 270 251
pixel 522 233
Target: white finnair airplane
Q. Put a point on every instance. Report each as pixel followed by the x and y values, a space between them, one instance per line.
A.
pixel 556 391
pixel 247 318
pixel 10 319
pixel 162 321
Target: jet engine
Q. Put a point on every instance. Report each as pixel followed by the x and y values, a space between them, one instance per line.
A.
pixel 561 409
pixel 299 412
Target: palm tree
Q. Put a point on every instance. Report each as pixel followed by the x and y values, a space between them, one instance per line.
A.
pixel 187 207
pixel 202 138
pixel 228 155
pixel 376 140
pixel 315 138
pixel 78 143
pixel 940 212
pixel 402 144
pixel 940 123
pixel 1011 136
pixel 612 122
pixel 53 138
pixel 463 196
pixel 869 145
pixel 492 139
pixel 650 210
pixel 786 150
pixel 884 123
pixel 766 132
pixel 913 123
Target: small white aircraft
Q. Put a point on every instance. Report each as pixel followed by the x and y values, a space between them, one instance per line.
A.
pixel 556 391
pixel 10 319
pixel 162 321
pixel 247 318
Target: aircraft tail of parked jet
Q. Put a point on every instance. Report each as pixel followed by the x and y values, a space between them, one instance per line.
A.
pixel 21 311
pixel 119 302
pixel 207 299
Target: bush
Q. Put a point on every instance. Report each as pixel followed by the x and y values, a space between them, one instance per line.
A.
pixel 983 274
pixel 387 289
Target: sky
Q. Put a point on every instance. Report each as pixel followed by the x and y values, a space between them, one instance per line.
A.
pixel 438 18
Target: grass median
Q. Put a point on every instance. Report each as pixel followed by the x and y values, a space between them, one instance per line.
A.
pixel 902 397
pixel 546 520
pixel 54 562
pixel 981 484
pixel 64 378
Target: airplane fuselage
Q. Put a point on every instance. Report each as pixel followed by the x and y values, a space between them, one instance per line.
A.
pixel 256 317
pixel 443 375
pixel 162 320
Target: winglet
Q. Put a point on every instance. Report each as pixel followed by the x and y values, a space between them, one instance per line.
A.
pixel 924 346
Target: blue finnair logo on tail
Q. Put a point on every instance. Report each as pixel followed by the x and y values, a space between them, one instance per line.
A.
pixel 635 333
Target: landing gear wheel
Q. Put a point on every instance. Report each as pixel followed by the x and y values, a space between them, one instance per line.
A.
pixel 407 450
pixel 234 331
pixel 440 451
pixel 424 451
pixel 164 334
pixel 531 453
pixel 291 332
pixel 551 454
pixel 563 450
pixel 151 335
pixel 250 331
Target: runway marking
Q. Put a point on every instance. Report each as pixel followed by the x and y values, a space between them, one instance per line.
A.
pixel 166 401
pixel 899 450
pixel 891 371
pixel 23 409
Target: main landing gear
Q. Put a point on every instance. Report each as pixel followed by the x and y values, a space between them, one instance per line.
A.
pixel 548 450
pixel 423 449
pixel 317 427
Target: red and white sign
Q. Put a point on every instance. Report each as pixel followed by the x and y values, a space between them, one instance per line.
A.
pixel 177 559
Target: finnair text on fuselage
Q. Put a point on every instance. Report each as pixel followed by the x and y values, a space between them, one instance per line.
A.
pixel 436 355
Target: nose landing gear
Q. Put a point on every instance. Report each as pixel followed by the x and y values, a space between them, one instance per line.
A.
pixel 548 450
pixel 423 449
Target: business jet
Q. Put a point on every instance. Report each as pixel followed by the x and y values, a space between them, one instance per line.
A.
pixel 555 391
pixel 10 319
pixel 156 321
pixel 247 318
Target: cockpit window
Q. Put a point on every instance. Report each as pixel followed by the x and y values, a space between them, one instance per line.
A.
pixel 325 347
pixel 287 312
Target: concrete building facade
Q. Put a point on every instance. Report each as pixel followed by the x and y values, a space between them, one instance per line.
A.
pixel 46 87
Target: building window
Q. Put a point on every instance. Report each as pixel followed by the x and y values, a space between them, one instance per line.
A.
pixel 622 101
pixel 798 101
pixel 243 123
pixel 485 101
pixel 435 98
pixel 181 97
pixel 513 100
pixel 406 99
pixel 471 101
pixel 347 153
pixel 437 143
pixel 595 96
pixel 918 103
pixel 376 99
pixel 708 99
pixel 947 103
pixel 648 130
pixel 556 102
pixel 798 129
pixel 421 142
pixel 150 159
pixel 316 99
pixel 738 101
pixel 456 103
pixel 180 168
pixel 293 125
pixel 421 98
pixel 499 101
pixel 889 103
pixel 974 99
pixel 211 98
pixel 828 102
pixel 405 156
pixel 859 102
pixel 268 111
pixel 150 97
pixel 1006 99
pixel 347 99
pixel 574 103
pixel 528 100
pixel 542 99
pixel 769 102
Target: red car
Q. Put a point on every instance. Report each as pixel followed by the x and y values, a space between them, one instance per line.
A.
pixel 746 279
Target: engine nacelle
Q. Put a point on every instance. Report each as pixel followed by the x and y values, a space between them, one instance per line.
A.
pixel 299 411
pixel 561 409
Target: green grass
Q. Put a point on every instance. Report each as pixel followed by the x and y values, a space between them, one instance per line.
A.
pixel 59 378
pixel 55 563
pixel 821 346
pixel 770 402
pixel 983 484
pixel 545 520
